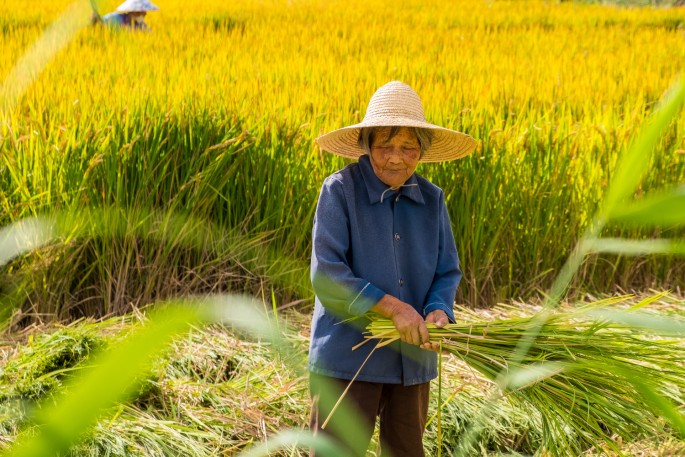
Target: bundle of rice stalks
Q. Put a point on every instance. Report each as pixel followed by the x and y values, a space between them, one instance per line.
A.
pixel 583 374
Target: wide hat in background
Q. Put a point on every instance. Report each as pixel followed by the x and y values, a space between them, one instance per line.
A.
pixel 397 104
pixel 135 6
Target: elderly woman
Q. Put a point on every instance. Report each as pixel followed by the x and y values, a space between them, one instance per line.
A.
pixel 131 15
pixel 382 243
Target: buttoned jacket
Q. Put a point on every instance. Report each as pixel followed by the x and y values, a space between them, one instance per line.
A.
pixel 368 241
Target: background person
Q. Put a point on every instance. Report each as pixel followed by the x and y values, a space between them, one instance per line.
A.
pixel 382 242
pixel 130 14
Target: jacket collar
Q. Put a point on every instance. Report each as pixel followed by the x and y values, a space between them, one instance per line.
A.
pixel 378 190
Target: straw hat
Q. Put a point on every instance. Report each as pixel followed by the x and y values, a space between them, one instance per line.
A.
pixel 396 104
pixel 132 6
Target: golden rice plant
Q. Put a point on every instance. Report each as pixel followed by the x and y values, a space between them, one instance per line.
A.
pixel 216 111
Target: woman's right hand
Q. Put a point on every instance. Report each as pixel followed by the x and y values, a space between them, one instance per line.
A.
pixel 408 322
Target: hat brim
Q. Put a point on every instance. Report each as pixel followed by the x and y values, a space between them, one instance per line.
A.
pixel 137 7
pixel 446 145
pixel 137 10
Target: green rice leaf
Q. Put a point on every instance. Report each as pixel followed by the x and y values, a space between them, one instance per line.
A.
pixel 649 300
pixel 531 374
pixel 665 326
pixel 24 236
pixel 634 162
pixel 628 247
pixel 663 209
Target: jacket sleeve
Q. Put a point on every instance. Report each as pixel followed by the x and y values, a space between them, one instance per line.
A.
pixel 447 274
pixel 335 284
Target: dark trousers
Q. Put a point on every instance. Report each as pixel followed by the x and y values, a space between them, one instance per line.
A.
pixel 403 412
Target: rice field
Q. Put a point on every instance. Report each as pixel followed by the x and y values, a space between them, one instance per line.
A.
pixel 214 115
pixel 183 163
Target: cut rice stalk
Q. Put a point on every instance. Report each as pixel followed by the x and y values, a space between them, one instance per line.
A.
pixel 583 375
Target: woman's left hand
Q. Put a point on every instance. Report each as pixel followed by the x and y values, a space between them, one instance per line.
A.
pixel 440 319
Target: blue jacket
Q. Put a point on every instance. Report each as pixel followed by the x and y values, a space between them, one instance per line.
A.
pixel 369 240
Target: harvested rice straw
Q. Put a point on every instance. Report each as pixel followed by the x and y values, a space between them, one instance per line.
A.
pixel 574 373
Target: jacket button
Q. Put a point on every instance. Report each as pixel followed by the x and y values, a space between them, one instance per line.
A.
pixel 397 237
pixel 401 281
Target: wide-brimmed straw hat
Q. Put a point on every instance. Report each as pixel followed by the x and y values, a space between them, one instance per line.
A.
pixel 397 104
pixel 134 6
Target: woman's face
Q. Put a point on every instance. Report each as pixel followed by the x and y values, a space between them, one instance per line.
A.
pixel 394 160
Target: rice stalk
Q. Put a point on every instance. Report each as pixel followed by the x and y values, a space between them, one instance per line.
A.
pixel 579 375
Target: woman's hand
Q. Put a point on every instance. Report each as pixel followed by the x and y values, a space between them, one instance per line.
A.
pixel 440 319
pixel 408 322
